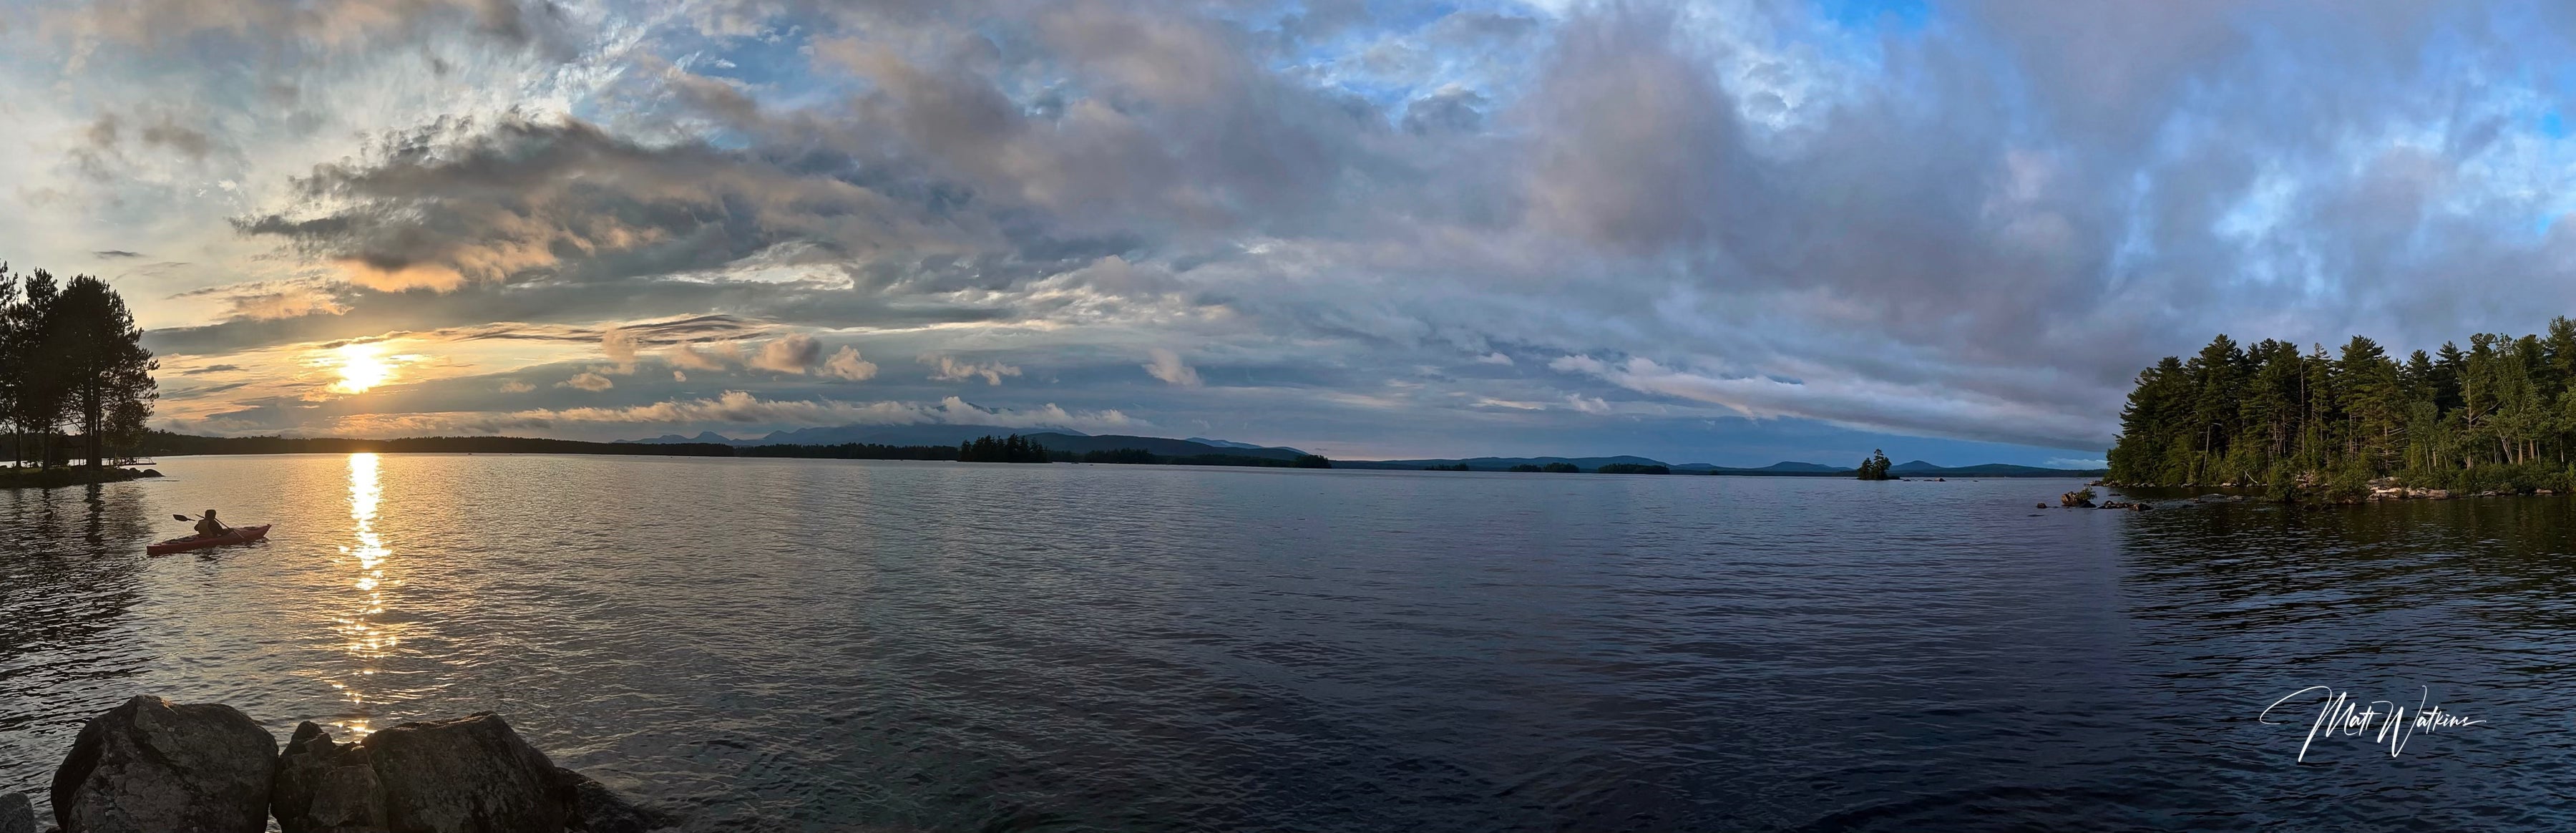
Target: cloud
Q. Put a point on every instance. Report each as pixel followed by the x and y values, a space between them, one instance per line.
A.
pixel 793 353
pixel 1917 410
pixel 618 344
pixel 692 357
pixel 516 386
pixel 115 254
pixel 587 381
pixel 1978 224
pixel 212 368
pixel 949 369
pixel 1167 366
pixel 846 365
pixel 743 407
pixel 285 302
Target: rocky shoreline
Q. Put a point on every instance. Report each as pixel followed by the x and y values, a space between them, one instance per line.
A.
pixel 2381 489
pixel 152 766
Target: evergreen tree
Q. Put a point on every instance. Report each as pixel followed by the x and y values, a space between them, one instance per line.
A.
pixel 109 374
pixel 33 355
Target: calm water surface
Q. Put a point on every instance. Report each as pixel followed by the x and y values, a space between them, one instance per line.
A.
pixel 833 645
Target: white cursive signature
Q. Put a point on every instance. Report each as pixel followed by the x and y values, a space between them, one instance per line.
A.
pixel 2389 726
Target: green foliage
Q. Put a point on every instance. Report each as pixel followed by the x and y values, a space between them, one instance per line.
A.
pixel 2499 415
pixel 1312 461
pixel 1875 468
pixel 1631 468
pixel 1015 449
pixel 74 359
pixel 1526 467
pixel 1456 467
pixel 1562 468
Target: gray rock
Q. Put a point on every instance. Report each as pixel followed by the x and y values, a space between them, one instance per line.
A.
pixel 150 766
pixel 598 809
pixel 468 775
pixel 17 814
pixel 325 787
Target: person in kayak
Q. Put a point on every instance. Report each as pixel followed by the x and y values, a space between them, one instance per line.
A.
pixel 208 527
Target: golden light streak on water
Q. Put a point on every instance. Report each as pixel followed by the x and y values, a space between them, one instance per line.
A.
pixel 363 637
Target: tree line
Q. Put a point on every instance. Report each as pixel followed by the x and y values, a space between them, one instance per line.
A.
pixel 1015 449
pixel 2498 415
pixel 71 360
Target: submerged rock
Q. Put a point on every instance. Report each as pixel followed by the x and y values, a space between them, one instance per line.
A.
pixel 2079 498
pixel 17 814
pixel 151 766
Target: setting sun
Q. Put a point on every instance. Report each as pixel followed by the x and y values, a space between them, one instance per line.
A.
pixel 362 366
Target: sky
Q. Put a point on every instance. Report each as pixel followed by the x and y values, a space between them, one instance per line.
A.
pixel 1736 231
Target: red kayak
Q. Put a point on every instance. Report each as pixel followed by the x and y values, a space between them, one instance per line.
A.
pixel 238 535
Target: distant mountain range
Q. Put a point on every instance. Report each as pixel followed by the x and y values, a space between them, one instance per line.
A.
pixel 931 434
pixel 1056 439
pixel 1076 442
pixel 1915 468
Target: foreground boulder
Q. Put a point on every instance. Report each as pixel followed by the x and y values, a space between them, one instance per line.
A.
pixel 17 814
pixel 468 775
pixel 152 766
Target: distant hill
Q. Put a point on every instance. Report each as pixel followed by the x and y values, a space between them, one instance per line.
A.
pixel 1783 468
pixel 1233 444
pixel 1919 468
pixel 1066 441
pixel 675 439
pixel 1497 463
pixel 928 434
pixel 1916 468
pixel 1159 446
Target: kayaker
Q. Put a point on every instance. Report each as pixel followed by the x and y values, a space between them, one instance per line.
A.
pixel 208 527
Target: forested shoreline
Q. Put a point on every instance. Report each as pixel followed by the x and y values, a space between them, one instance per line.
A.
pixel 2498 416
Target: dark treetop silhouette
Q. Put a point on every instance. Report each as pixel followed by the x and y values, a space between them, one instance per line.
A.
pixel 71 357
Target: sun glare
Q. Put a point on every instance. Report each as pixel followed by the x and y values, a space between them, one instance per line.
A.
pixel 362 366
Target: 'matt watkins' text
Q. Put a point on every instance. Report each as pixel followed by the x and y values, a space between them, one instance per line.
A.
pixel 2387 723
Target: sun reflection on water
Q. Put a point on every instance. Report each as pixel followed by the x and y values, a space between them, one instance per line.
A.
pixel 362 632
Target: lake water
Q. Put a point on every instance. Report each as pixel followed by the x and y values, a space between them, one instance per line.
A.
pixel 887 646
